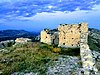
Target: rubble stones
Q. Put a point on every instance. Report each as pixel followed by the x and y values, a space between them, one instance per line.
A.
pixel 96 56
pixel 22 73
pixel 67 65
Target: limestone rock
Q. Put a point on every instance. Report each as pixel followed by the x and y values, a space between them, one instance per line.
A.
pixel 66 65
pixel 7 43
pixel 22 40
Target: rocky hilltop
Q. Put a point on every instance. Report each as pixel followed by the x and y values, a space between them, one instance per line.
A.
pixel 35 58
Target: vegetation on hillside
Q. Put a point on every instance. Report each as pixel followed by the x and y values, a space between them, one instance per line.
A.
pixel 94 39
pixel 36 57
pixel 30 57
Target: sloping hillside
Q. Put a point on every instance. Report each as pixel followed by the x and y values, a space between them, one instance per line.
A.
pixel 37 58
pixel 94 39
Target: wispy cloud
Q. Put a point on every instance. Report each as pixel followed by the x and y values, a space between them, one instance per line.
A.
pixel 12 9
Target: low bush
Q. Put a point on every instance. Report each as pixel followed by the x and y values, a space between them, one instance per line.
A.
pixel 70 51
pixel 57 50
pixel 46 46
pixel 21 45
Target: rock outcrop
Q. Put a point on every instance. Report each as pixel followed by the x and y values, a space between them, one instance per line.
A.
pixel 7 43
pixel 22 40
pixel 65 65
pixel 96 57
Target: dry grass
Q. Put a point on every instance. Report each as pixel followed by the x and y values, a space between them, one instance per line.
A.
pixel 30 57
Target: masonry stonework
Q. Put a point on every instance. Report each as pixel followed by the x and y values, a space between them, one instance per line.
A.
pixel 49 36
pixel 86 56
pixel 67 35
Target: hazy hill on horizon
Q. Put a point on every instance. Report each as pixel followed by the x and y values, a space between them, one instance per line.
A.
pixel 13 34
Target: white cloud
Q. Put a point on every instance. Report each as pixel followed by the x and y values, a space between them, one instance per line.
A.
pixel 40 6
pixel 77 9
pixel 76 16
pixel 50 7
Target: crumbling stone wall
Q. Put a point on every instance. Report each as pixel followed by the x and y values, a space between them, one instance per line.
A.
pixel 49 37
pixel 86 55
pixel 69 34
pixel 55 38
pixel 46 37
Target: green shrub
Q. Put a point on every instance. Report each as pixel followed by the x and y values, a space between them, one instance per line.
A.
pixel 70 51
pixel 46 46
pixel 80 63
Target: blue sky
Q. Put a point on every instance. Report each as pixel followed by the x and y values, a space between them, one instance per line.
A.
pixel 35 15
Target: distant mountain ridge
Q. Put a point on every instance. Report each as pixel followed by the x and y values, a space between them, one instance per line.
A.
pixel 13 34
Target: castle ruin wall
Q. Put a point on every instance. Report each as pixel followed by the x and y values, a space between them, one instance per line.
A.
pixel 69 34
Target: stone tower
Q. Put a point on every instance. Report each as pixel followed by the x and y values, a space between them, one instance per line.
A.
pixel 69 34
pixel 50 36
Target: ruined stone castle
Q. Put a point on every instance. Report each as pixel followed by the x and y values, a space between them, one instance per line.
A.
pixel 66 35
pixel 72 35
